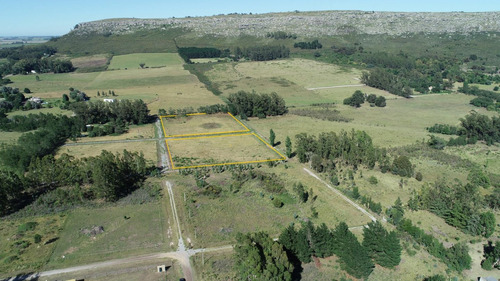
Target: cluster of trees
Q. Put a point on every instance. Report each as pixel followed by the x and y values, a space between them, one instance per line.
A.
pixel 262 53
pixel 484 98
pixel 329 149
pixel 124 111
pixel 256 105
pixel 188 53
pixel 385 80
pixel 27 52
pixel 458 204
pixel 111 176
pixel 259 257
pixel 491 256
pixel 358 98
pixel 308 45
pixel 214 108
pixel 473 127
pixel 13 99
pixel 456 258
pixel 42 65
pixel 281 35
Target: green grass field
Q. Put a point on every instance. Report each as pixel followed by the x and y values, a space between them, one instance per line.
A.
pixel 201 124
pixel 165 87
pixel 18 251
pixel 207 150
pixel 132 61
pixel 143 231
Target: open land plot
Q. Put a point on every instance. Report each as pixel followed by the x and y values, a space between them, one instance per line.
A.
pixel 215 221
pixel 90 61
pixel 45 110
pixel 220 150
pixel 202 124
pixel 18 250
pixel 9 137
pixel 149 59
pixel 148 148
pixel 289 78
pixel 141 232
pixel 401 122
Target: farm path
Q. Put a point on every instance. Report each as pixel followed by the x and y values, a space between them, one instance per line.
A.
pixel 341 195
pixel 131 261
pixel 339 86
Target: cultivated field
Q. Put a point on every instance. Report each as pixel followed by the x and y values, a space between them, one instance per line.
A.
pixel 128 230
pixel 148 148
pixel 202 124
pixel 87 62
pixel 223 149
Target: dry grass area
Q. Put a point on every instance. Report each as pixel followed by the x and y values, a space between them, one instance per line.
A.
pixel 134 132
pixel 148 148
pixel 201 124
pixel 219 149
pixel 90 61
pixel 484 155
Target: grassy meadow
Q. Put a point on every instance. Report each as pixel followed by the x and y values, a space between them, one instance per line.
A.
pixel 128 230
pixel 149 59
pixel 219 149
pixel 201 124
pixel 19 251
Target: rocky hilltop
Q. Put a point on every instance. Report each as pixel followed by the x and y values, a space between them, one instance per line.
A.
pixel 307 24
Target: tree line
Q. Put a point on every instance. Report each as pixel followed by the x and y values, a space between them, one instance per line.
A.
pixel 111 176
pixel 251 104
pixel 358 98
pixel 281 35
pixel 188 53
pixel 258 256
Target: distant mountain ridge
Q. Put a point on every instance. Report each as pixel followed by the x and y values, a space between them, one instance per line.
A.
pixel 307 24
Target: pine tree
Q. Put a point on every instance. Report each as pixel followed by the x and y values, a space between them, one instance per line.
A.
pixel 272 137
pixel 288 144
pixel 353 256
pixel 381 245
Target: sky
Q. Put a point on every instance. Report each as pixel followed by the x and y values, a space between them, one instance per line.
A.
pixel 58 17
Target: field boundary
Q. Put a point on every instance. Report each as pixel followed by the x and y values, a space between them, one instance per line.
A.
pixel 201 134
pixel 282 157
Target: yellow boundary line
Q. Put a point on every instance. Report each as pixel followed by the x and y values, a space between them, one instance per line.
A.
pixel 224 164
pixel 202 134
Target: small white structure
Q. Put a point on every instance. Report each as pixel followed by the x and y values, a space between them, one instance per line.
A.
pixel 161 268
pixel 35 100
pixel 109 100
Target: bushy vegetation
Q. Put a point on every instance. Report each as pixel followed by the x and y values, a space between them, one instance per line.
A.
pixel 248 104
pixel 458 204
pixel 322 114
pixel 491 256
pixel 281 35
pixel 13 99
pixel 262 53
pixel 308 45
pixel 110 176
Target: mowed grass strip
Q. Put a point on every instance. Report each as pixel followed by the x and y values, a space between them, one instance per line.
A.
pixel 149 59
pixel 148 148
pixel 201 124
pixel 128 230
pixel 224 149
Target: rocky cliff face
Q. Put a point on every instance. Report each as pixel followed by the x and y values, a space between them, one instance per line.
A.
pixel 308 24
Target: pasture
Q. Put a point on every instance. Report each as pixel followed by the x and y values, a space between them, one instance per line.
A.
pixel 222 149
pixel 201 124
pixel 149 59
pixel 401 122
pixel 90 62
pixel 128 230
pixel 135 132
pixel 19 251
pixel 148 148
